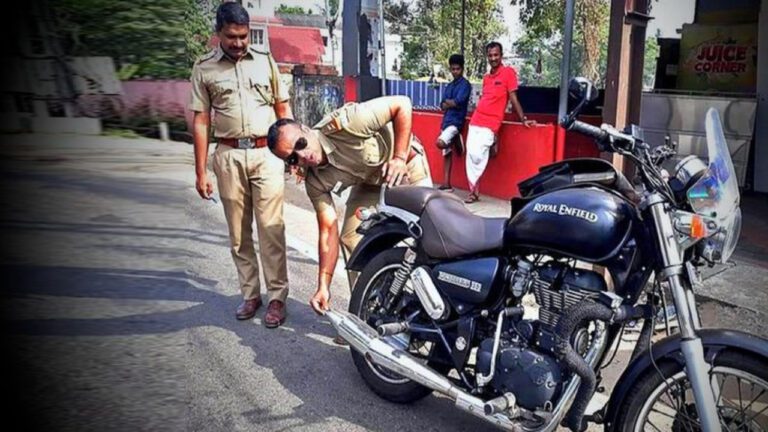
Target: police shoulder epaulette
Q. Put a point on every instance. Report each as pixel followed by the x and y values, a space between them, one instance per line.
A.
pixel 253 49
pixel 207 56
pixel 332 123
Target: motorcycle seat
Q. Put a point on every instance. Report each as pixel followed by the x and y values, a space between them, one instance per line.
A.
pixel 413 199
pixel 451 231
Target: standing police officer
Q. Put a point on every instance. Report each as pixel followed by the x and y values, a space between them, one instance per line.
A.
pixel 241 86
pixel 360 145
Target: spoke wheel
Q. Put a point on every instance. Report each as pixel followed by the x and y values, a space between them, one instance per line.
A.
pixel 740 385
pixel 370 293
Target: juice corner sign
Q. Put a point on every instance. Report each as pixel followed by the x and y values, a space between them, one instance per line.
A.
pixel 718 58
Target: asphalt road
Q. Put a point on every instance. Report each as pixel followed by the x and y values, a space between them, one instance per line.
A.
pixel 119 296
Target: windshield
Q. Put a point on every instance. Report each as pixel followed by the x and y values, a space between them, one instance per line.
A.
pixel 716 194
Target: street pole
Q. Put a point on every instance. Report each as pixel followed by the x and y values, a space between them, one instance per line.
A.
pixel 565 67
pixel 382 50
pixel 463 13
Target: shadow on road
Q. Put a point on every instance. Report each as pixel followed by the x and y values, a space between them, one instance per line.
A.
pixel 299 355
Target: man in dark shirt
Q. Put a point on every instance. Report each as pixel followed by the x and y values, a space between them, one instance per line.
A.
pixel 454 104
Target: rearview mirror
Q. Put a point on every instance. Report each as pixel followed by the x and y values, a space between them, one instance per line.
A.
pixel 582 89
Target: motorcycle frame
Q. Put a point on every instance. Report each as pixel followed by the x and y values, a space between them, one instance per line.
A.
pixel 672 271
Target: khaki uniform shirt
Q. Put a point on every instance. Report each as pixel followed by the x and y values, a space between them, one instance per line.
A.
pixel 241 94
pixel 358 139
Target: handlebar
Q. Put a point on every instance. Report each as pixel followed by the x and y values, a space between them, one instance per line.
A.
pixel 606 136
pixel 589 130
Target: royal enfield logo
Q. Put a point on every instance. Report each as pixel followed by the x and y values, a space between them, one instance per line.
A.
pixel 564 210
pixel 459 281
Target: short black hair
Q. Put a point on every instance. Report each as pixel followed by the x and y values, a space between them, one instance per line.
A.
pixel 493 44
pixel 456 59
pixel 231 12
pixel 274 131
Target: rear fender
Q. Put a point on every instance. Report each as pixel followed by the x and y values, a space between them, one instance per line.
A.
pixel 714 340
pixel 382 236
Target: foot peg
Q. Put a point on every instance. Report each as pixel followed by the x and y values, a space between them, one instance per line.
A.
pixel 392 329
pixel 500 404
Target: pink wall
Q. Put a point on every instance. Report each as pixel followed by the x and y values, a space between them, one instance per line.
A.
pixel 169 98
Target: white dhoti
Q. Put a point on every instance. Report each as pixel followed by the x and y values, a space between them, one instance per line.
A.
pixel 479 142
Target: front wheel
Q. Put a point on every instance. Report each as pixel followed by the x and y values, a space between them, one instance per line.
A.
pixel 740 383
pixel 371 287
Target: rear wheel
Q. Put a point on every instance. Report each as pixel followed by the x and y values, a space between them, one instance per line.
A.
pixel 371 290
pixel 740 381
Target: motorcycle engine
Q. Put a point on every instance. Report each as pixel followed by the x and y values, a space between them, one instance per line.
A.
pixel 525 364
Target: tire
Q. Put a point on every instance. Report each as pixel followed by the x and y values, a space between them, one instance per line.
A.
pixel 639 405
pixel 394 388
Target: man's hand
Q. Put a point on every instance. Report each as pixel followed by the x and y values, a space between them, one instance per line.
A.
pixel 204 186
pixel 321 301
pixel 299 173
pixel 395 171
pixel 529 123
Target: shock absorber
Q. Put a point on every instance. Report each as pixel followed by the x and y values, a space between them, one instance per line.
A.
pixel 401 276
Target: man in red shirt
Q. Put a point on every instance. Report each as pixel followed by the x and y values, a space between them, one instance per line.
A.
pixel 499 88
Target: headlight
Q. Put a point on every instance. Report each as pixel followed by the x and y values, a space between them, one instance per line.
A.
pixel 689 170
pixel 720 246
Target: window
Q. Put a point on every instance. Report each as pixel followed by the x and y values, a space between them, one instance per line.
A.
pixel 257 36
pixel 325 41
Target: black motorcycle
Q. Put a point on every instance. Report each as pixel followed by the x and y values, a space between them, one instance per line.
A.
pixel 439 303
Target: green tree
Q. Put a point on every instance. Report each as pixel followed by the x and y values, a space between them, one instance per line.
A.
pixel 143 37
pixel 198 27
pixel 292 10
pixel 542 42
pixel 431 31
pixel 543 21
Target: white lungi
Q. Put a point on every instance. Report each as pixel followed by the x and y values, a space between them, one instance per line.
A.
pixel 479 142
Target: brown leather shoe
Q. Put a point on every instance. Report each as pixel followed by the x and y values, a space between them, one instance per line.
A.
pixel 247 308
pixel 275 315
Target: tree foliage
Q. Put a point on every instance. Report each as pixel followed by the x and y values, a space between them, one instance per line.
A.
pixel 292 10
pixel 431 31
pixel 542 42
pixel 543 39
pixel 146 38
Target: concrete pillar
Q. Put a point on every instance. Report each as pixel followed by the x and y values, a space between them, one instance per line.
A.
pixel 761 121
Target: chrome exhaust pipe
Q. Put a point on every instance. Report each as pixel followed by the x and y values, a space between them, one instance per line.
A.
pixel 381 351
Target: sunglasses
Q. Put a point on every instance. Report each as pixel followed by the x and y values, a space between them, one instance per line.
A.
pixel 293 158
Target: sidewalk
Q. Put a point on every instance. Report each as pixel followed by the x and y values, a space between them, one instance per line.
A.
pixel 739 283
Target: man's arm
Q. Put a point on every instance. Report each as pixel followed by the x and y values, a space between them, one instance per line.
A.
pixel 519 109
pixel 400 110
pixel 200 126
pixel 328 252
pixel 373 115
pixel 282 98
pixel 283 110
pixel 464 92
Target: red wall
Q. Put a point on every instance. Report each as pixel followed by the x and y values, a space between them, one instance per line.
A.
pixel 521 152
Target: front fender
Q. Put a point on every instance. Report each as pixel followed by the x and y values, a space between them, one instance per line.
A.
pixel 714 340
pixel 379 237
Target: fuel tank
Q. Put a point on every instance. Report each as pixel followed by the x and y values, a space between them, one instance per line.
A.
pixel 589 224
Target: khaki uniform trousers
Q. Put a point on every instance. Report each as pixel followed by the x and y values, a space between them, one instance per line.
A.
pixel 251 183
